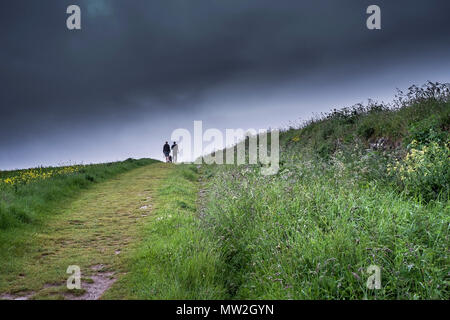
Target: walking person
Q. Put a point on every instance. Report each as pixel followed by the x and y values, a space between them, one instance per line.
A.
pixel 166 151
pixel 175 151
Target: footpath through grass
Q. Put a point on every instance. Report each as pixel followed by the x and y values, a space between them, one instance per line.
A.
pixel 95 231
pixel 176 259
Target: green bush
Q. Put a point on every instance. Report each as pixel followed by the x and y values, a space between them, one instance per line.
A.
pixel 425 171
pixel 426 131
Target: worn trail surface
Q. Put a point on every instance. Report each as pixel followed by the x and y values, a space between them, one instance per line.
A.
pixel 95 232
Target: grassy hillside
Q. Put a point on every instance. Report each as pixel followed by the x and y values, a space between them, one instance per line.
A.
pixel 28 196
pixel 361 186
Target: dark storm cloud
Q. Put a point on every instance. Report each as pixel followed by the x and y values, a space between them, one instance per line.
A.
pixel 146 57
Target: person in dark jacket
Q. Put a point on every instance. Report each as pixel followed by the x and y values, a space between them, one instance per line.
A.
pixel 166 151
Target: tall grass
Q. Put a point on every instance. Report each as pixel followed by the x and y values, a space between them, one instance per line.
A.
pixel 312 231
pixel 333 209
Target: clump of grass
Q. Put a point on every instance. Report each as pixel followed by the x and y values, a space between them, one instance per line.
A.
pixel 28 196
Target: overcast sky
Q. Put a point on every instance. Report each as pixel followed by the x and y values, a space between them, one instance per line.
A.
pixel 140 69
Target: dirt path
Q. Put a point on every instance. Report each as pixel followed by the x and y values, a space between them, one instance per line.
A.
pixel 95 232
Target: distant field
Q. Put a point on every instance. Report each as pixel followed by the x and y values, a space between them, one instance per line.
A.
pixel 17 177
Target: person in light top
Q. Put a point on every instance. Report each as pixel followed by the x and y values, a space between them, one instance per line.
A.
pixel 174 151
